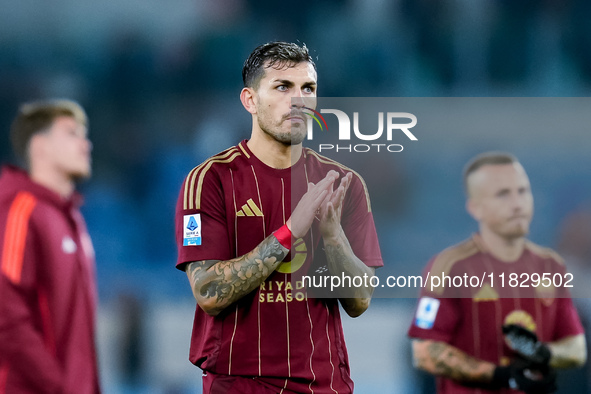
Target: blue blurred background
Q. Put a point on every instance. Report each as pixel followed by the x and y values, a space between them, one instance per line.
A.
pixel 160 82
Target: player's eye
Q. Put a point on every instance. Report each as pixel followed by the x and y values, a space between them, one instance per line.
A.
pixel 309 90
pixel 503 193
pixel 282 88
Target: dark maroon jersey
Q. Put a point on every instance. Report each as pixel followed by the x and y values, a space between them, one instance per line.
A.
pixel 47 291
pixel 473 321
pixel 278 333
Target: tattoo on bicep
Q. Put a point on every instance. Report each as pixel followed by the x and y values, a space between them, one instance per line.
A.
pixel 237 277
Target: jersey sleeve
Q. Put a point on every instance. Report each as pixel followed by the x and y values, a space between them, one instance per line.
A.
pixel 435 317
pixel 358 224
pixel 25 352
pixel 567 321
pixel 201 225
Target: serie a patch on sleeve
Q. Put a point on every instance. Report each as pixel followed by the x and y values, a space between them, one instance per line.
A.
pixel 192 230
pixel 427 312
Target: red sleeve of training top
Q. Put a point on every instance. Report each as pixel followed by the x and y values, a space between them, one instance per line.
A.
pixel 27 351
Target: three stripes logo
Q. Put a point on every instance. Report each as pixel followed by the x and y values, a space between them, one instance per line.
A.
pixel 249 209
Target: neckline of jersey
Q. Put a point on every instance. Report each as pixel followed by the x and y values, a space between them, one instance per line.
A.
pixel 277 172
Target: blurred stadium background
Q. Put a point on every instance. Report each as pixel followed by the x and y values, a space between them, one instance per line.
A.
pixel 160 82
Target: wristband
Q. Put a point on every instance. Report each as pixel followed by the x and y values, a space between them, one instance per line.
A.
pixel 283 235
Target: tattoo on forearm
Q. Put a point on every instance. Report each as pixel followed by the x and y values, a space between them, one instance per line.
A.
pixel 569 352
pixel 340 258
pixel 228 281
pixel 444 360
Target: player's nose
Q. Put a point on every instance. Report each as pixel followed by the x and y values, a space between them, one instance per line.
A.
pixel 297 102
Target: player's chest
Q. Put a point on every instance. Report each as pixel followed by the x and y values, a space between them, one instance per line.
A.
pixel 63 242
pixel 249 195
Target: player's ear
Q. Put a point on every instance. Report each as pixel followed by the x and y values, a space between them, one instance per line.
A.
pixel 247 97
pixel 473 208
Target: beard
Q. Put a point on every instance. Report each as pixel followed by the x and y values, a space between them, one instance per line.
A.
pixel 294 136
pixel 513 231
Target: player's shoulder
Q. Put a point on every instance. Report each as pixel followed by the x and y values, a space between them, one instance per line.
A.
pixel 316 159
pixel 16 191
pixel 210 172
pixel 445 260
pixel 224 159
pixel 325 164
pixel 543 252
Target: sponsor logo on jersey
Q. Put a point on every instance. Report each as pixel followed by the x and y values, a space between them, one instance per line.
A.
pixel 521 318
pixel 249 209
pixel 68 245
pixel 298 255
pixel 192 230
pixel 486 293
pixel 427 312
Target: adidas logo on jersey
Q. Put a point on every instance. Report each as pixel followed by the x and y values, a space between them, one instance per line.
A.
pixel 249 209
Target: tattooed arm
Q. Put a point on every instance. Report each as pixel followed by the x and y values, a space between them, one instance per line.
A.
pixel 218 284
pixel 340 256
pixel 441 359
pixel 341 260
pixel 569 352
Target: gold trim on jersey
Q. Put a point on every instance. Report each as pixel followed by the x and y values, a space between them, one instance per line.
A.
pixel 234 202
pixel 286 279
pixel 330 349
pixel 326 160
pixel 486 293
pixel 204 171
pixel 256 180
pixel 543 252
pixel 244 151
pixel 521 318
pixel 298 258
pixel 202 175
pixel 283 200
pixel 249 209
pixel 446 259
pixel 232 340
pixel 189 191
pixel 313 347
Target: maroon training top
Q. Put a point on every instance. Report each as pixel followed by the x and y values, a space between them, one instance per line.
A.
pixel 47 291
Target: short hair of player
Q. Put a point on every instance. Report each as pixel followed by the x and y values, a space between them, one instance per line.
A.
pixel 483 159
pixel 37 117
pixel 277 54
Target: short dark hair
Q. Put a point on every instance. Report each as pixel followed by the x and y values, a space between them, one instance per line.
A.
pixel 487 158
pixel 37 117
pixel 279 55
